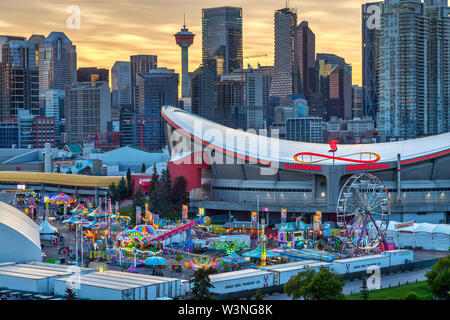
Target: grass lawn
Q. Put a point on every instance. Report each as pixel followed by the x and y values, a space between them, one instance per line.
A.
pixel 398 293
pixel 126 211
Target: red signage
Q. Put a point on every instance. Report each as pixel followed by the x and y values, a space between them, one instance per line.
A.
pixel 302 167
pixel 367 167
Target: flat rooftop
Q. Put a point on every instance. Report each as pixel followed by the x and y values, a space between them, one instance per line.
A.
pixel 377 256
pixel 233 275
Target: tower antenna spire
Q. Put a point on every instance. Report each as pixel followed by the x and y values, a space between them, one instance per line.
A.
pixel 184 19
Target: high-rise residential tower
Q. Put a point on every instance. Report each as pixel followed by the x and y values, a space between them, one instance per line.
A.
pixel 185 39
pixel 88 110
pixel 285 81
pixel 413 66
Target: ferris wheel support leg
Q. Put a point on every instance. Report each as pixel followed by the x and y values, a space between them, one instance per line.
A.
pixel 383 241
pixel 361 235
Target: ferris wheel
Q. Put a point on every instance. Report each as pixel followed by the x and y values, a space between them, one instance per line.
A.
pixel 363 211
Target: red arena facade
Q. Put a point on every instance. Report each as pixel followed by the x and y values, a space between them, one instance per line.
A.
pixel 230 171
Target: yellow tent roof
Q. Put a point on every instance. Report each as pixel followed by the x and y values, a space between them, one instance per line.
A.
pixel 58 179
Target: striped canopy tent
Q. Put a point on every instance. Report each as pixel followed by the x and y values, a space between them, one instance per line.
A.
pixel 97 213
pixel 72 219
pixel 61 199
pixel 145 228
pixel 79 209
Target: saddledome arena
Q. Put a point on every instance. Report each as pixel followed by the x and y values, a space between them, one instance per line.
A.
pixel 231 171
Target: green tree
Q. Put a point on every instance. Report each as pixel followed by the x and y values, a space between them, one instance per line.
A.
pixel 295 286
pixel 154 182
pixel 179 194
pixel 166 192
pixel 114 192
pixel 323 285
pixel 258 295
pixel 156 200
pixel 129 183
pixel 139 201
pixel 143 169
pixel 202 284
pixel 122 189
pixel 438 278
pixel 178 257
pixel 70 294
pixel 411 296
pixel 364 289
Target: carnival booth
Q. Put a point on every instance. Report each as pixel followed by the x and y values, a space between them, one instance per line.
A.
pixel 47 231
pixel 441 237
pixel 423 236
pixel 405 236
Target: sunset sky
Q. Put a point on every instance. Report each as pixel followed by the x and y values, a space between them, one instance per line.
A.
pixel 113 30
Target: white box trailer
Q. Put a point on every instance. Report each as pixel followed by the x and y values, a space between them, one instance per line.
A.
pixel 49 275
pixel 350 265
pixel 24 282
pixel 185 287
pixel 170 287
pixel 283 273
pixel 241 280
pixel 56 267
pixel 399 257
pixel 145 290
pixel 99 290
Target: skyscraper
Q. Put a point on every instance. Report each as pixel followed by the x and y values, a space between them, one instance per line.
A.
pixel 185 39
pixel 88 110
pixel 18 76
pixel 256 93
pixel 222 38
pixel 370 46
pixel 357 101
pixel 202 84
pixel 141 63
pixel 305 55
pixel 334 82
pixel 285 81
pixel 57 62
pixel 155 89
pixel 92 74
pixel 340 93
pixel 121 83
pixel 413 64
pixel 229 106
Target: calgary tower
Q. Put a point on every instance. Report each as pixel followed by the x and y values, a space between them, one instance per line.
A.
pixel 185 39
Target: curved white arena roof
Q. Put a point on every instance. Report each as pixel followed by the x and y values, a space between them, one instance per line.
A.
pixel 19 236
pixel 272 149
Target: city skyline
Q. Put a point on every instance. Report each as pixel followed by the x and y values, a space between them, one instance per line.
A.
pixel 100 43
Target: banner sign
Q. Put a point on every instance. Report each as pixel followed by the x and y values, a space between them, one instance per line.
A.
pixel 283 215
pixel 138 215
pixel 185 211
pixel 254 219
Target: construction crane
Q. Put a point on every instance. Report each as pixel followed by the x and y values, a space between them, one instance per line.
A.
pixel 141 123
pixel 104 141
pixel 246 58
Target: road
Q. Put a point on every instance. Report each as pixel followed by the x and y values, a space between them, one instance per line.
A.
pixel 355 286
